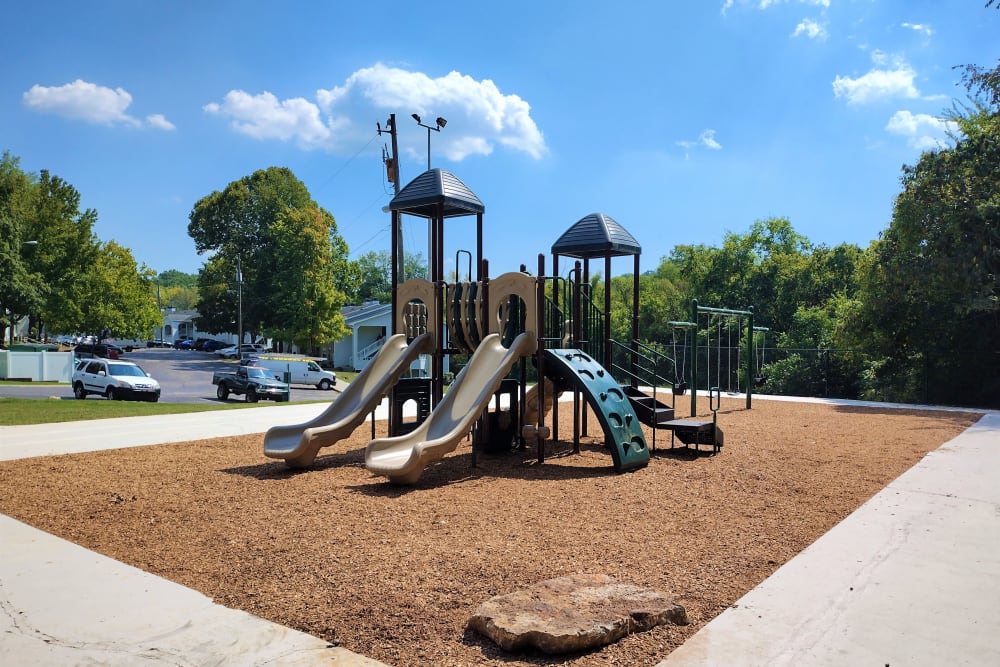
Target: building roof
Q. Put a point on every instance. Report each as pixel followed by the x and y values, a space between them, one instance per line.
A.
pixel 175 315
pixel 354 315
pixel 423 194
pixel 596 235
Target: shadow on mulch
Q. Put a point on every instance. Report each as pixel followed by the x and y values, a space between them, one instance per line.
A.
pixel 273 469
pixel 494 654
pixel 454 470
pixel 685 453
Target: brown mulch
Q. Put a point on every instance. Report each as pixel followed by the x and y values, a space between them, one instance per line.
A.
pixel 394 572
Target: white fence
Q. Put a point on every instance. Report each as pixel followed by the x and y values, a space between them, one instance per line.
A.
pixel 36 366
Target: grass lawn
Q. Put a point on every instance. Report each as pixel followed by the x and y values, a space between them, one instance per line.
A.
pixel 14 411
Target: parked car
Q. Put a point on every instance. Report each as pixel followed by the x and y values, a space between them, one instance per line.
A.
pixel 247 348
pixel 115 380
pixel 254 383
pixel 211 345
pixel 300 371
pixel 92 350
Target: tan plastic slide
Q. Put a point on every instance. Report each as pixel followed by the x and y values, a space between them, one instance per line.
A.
pixel 402 459
pixel 298 444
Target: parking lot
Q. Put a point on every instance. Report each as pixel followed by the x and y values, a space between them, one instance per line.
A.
pixel 185 376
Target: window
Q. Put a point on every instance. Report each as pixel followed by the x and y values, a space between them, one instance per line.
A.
pixel 95 367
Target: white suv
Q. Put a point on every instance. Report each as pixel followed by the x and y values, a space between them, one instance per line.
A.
pixel 115 380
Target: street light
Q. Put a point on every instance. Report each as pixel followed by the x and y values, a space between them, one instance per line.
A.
pixel 7 312
pixel 440 122
pixel 239 289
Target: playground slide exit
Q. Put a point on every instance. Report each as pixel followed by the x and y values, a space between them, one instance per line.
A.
pixel 402 459
pixel 299 444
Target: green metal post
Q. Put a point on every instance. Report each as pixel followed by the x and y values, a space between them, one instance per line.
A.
pixel 749 355
pixel 694 359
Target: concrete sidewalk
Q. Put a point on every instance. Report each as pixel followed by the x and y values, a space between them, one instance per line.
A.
pixel 19 442
pixel 61 604
pixel 912 577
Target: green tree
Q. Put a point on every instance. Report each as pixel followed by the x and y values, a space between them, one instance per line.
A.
pixel 20 289
pixel 65 255
pixel 175 278
pixel 930 295
pixel 247 225
pixel 176 289
pixel 305 301
pixel 374 275
pixel 118 295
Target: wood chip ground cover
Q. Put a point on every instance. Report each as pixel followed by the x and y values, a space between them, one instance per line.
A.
pixel 394 572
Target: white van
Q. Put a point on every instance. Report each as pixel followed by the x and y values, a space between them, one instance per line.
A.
pixel 303 371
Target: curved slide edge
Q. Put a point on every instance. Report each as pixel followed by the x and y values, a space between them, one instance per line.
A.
pixel 622 431
pixel 299 444
pixel 402 459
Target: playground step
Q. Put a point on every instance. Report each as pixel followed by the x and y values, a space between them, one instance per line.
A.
pixel 694 432
pixel 649 410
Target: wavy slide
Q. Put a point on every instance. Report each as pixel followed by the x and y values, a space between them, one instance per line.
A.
pixel 402 459
pixel 298 444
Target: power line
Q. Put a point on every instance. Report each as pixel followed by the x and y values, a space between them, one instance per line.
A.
pixel 346 163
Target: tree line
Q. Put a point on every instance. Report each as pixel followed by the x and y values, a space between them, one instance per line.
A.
pixel 914 317
pixel 264 237
pixel 55 271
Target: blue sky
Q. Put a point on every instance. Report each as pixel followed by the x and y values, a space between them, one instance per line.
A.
pixel 682 120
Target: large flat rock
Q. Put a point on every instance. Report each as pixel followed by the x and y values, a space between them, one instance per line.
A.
pixel 573 613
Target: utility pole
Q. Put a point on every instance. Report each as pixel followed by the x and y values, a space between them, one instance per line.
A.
pixel 392 173
pixel 391 160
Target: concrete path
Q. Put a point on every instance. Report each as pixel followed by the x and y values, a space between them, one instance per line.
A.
pixel 18 442
pixel 911 578
pixel 61 604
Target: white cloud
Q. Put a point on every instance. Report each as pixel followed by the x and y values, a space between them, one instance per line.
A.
pixel 919 27
pixel 811 29
pixel 705 140
pixel 82 100
pixel 922 131
pixel 479 115
pixel 159 121
pixel 878 84
pixel 263 116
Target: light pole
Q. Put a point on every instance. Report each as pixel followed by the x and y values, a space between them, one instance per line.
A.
pixel 239 311
pixel 32 244
pixel 440 122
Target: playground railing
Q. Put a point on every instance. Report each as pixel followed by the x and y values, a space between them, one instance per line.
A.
pixel 641 364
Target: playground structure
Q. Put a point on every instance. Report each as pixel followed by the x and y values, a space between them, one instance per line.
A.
pixel 748 351
pixel 501 322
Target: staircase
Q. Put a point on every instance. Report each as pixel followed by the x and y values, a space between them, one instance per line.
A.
pixel 649 410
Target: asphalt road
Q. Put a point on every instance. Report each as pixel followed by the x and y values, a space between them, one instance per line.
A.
pixel 185 377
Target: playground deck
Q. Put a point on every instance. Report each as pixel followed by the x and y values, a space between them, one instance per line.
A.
pixel 392 573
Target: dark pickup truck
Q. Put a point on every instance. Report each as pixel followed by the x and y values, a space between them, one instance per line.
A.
pixel 254 383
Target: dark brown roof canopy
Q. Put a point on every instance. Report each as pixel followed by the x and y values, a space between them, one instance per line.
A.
pixel 596 235
pixel 434 187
